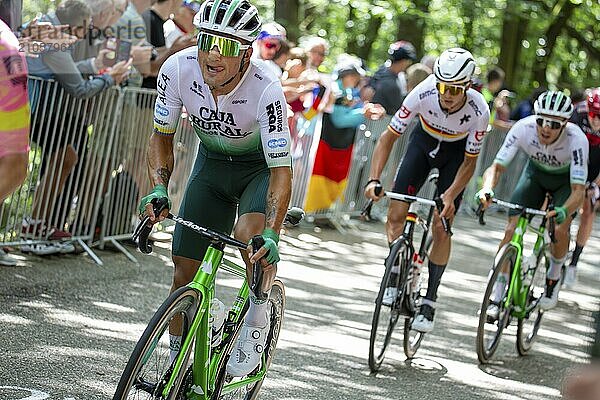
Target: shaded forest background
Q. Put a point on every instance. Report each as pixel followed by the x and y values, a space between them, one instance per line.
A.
pixel 554 43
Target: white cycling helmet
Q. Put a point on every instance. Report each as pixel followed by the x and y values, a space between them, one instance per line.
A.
pixel 454 66
pixel 554 103
pixel 237 18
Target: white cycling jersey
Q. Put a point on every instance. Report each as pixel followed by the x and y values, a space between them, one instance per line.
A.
pixel 251 118
pixel 470 121
pixel 569 154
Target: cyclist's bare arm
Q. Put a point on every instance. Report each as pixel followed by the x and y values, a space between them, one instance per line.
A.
pixel 278 200
pixel 382 151
pixel 492 175
pixel 575 200
pixel 160 165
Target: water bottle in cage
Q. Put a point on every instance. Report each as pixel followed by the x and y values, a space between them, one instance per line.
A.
pixel 216 320
pixel 417 265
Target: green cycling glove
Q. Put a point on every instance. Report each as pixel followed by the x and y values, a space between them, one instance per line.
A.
pixel 158 192
pixel 271 240
pixel 561 214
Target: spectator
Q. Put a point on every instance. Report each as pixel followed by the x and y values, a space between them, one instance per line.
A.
pixel 268 41
pixel 389 90
pixel 60 152
pixel 344 113
pixel 155 18
pixel 497 99
pixel 428 61
pixel 525 107
pixel 14 124
pixel 280 58
pixel 317 49
pixel 182 22
pixel 415 74
pixel 495 80
pixel 295 81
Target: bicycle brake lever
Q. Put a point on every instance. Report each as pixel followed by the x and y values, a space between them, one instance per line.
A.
pixel 439 203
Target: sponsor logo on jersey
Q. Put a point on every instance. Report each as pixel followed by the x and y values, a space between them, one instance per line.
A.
pixel 475 108
pixel 217 123
pixel 160 122
pixel 162 111
pixel 279 155
pixel 275 115
pixel 260 78
pixel 240 101
pixel 274 143
pixel 466 118
pixel 479 135
pixel 197 88
pixel 578 157
pixel 427 93
pixel 578 173
pixel 161 87
pixel 548 159
pixel 191 58
pixel 403 112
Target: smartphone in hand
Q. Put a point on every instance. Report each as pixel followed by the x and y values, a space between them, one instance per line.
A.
pixel 118 50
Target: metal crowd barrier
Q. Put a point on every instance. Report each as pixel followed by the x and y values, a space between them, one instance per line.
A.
pixel 87 168
pixel 305 141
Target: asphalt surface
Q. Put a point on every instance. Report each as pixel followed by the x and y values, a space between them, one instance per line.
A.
pixel 67 326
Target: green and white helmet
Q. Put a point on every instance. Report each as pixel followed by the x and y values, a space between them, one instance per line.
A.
pixel 237 18
pixel 554 103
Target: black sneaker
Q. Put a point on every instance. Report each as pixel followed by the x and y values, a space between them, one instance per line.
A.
pixel 424 321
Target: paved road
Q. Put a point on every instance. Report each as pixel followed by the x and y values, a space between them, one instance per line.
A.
pixel 67 326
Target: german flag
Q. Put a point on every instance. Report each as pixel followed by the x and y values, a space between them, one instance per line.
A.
pixel 331 167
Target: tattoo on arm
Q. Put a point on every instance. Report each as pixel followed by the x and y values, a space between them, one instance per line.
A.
pixel 164 174
pixel 271 212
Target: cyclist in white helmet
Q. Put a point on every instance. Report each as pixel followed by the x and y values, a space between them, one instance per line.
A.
pixel 452 121
pixel 238 111
pixel 558 162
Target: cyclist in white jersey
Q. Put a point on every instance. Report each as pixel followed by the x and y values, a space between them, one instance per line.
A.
pixel 238 110
pixel 453 120
pixel 558 162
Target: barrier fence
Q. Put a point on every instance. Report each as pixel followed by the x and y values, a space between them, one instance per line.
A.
pixel 87 169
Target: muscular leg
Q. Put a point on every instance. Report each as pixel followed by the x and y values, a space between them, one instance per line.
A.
pixel 13 170
pixel 438 259
pixel 585 229
pixel 395 219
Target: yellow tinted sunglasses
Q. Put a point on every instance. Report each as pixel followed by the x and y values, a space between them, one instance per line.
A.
pixel 227 47
pixel 452 89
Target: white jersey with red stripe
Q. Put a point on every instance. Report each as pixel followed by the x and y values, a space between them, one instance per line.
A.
pixel 250 119
pixel 470 121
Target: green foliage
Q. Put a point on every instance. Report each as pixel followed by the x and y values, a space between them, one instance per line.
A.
pixel 33 8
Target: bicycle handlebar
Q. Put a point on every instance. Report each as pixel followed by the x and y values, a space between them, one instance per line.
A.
pixel 524 210
pixel 437 202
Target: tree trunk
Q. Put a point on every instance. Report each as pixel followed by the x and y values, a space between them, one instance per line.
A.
pixel 514 27
pixel 411 25
pixel 564 11
pixel 363 50
pixel 286 13
pixel 469 9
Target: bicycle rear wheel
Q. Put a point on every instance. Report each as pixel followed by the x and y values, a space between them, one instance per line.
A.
pixel 150 367
pixel 385 317
pixel 489 329
pixel 250 391
pixel 412 339
pixel 527 328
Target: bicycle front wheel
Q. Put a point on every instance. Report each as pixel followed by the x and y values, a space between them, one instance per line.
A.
pixel 490 327
pixel 150 367
pixel 250 391
pixel 527 328
pixel 385 316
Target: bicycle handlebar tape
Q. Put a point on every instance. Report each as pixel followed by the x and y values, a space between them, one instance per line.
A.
pixel 257 270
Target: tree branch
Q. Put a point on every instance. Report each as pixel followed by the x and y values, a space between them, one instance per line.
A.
pixel 594 52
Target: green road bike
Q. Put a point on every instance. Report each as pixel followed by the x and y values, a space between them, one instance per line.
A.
pixel 524 288
pixel 408 281
pixel 199 370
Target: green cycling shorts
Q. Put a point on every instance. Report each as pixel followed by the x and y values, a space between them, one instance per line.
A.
pixel 534 184
pixel 219 186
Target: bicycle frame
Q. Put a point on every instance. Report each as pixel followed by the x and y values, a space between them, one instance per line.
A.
pixel 517 292
pixel 204 368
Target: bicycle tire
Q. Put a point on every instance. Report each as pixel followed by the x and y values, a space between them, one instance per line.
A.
pixel 376 352
pixel 412 339
pixel 184 302
pixel 485 351
pixel 526 337
pixel 277 304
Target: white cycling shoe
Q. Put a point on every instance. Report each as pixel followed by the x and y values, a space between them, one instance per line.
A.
pixel 248 350
pixel 549 299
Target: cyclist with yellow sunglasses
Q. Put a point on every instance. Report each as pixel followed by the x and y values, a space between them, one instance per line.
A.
pixel 238 110
pixel 452 121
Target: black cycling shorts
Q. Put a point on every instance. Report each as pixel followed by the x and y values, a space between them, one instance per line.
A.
pixel 593 163
pixel 422 155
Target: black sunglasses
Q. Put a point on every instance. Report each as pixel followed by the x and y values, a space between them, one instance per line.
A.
pixel 550 122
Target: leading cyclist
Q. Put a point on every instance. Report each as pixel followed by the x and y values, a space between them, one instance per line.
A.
pixel 558 159
pixel 453 121
pixel 238 110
